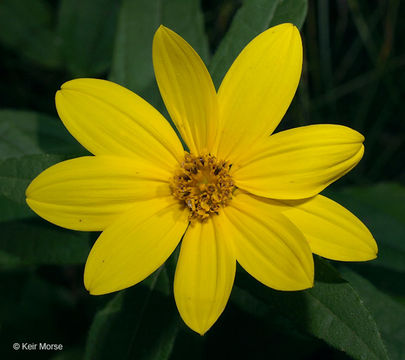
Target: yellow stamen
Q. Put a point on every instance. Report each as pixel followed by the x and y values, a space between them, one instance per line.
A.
pixel 204 184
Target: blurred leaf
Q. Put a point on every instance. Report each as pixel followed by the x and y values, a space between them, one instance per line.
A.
pixel 332 311
pixel 15 176
pixel 27 140
pixel 138 21
pixel 17 173
pixel 138 323
pixel 29 133
pixel 290 11
pixel 389 315
pixel 241 334
pixel 26 241
pixel 252 18
pixel 35 242
pixel 382 208
pixel 26 137
pixel 86 31
pixel 26 27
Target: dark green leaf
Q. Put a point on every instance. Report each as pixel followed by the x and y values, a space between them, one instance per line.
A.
pixel 138 323
pixel 33 242
pixel 138 21
pixel 332 311
pixel 27 140
pixel 29 133
pixel 290 11
pixel 26 27
pixel 26 239
pixel 17 173
pixel 86 30
pixel 252 18
pixel 389 315
pixel 381 207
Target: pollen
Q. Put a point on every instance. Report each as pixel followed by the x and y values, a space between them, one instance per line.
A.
pixel 204 184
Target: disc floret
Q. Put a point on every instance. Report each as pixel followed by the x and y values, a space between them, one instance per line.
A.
pixel 204 184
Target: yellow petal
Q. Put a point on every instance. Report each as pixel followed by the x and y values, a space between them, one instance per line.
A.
pixel 300 162
pixel 88 193
pixel 204 275
pixel 108 119
pixel 331 230
pixel 267 245
pixel 135 245
pixel 258 88
pixel 186 88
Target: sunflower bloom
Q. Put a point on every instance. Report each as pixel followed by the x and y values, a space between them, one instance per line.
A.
pixel 236 194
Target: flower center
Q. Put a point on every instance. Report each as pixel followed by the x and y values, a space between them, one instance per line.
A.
pixel 204 184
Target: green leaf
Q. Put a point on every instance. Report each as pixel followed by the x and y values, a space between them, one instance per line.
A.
pixel 17 173
pixel 27 241
pixel 252 18
pixel 29 143
pixel 290 11
pixel 33 242
pixel 29 133
pixel 138 21
pixel 389 315
pixel 332 311
pixel 26 27
pixel 86 30
pixel 381 207
pixel 138 323
pixel 26 137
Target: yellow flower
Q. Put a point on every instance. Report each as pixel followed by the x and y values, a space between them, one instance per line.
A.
pixel 238 195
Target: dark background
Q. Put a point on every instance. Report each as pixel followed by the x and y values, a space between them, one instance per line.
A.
pixel 353 75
